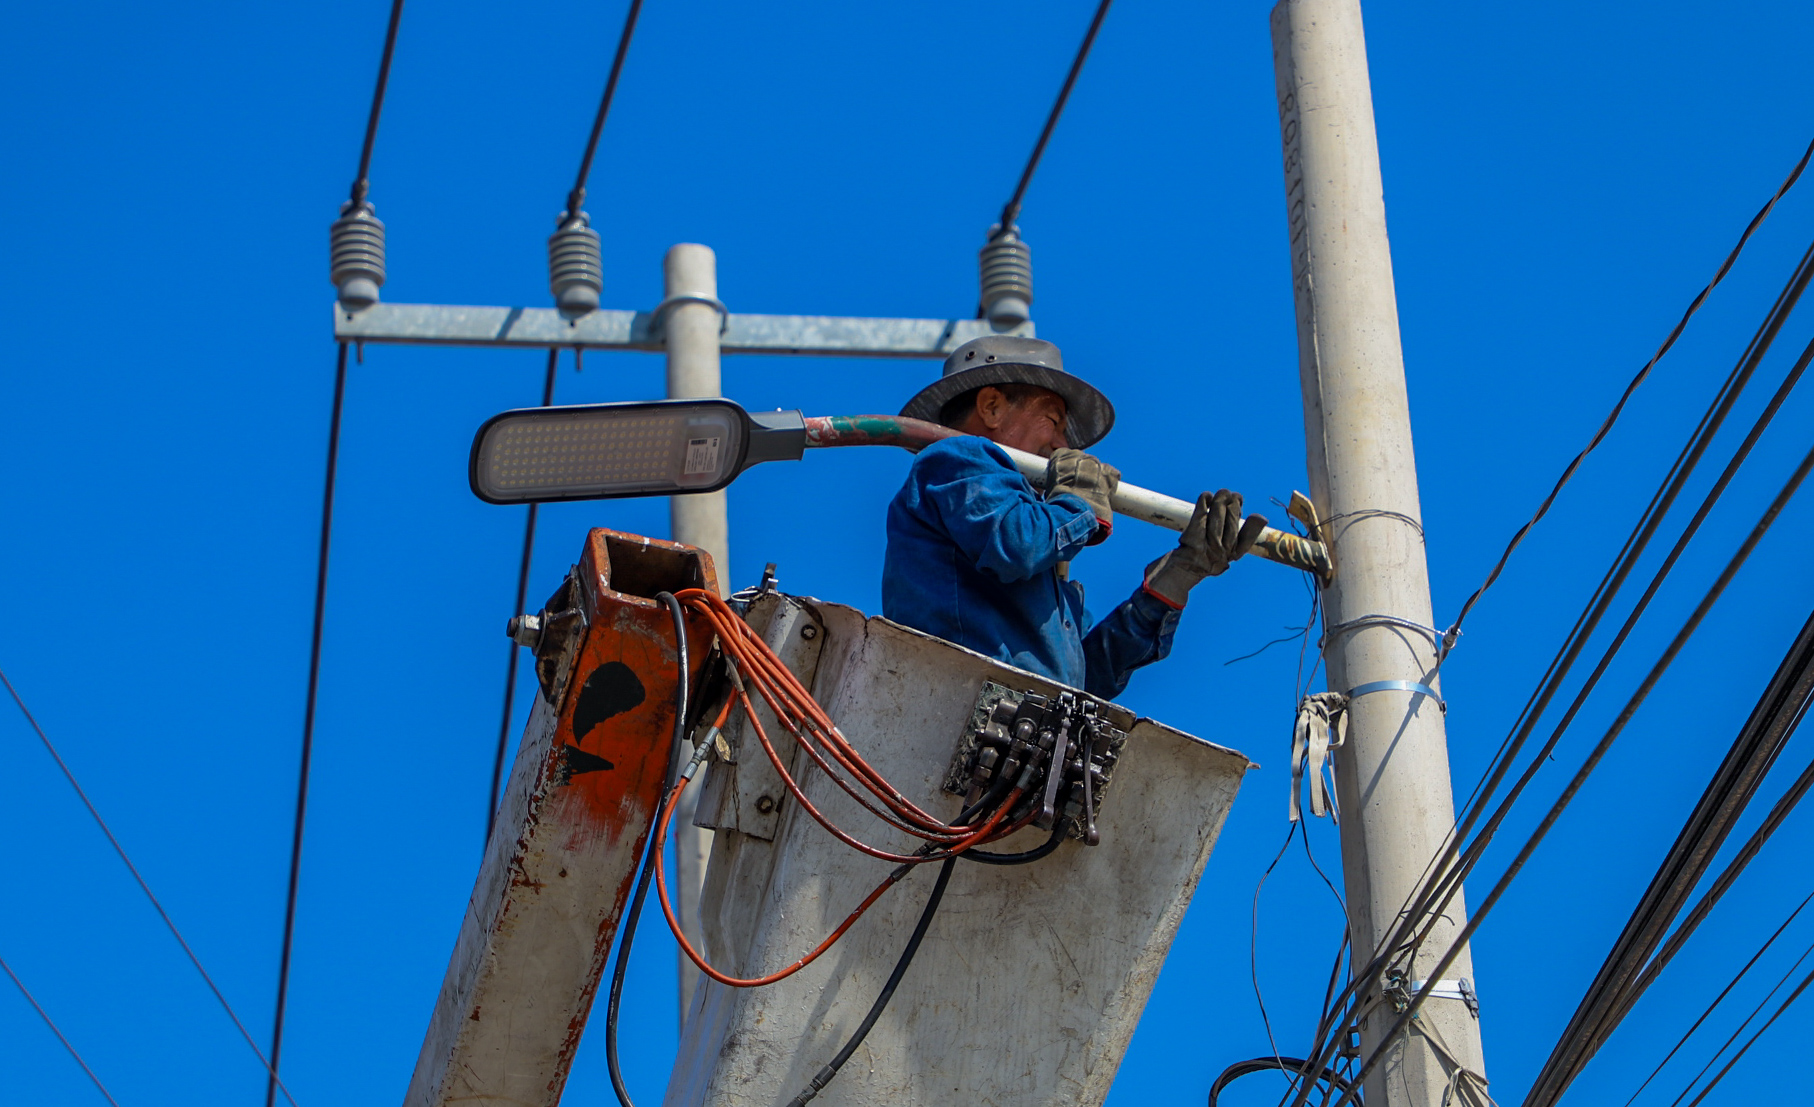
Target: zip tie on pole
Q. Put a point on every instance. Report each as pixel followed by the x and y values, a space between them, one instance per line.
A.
pixel 1410 686
pixel 1318 716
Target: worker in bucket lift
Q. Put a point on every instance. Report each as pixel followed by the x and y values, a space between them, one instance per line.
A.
pixel 977 557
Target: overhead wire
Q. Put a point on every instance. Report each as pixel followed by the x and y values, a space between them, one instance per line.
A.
pixel 1736 1057
pixel 1636 700
pixel 54 1029
pixel 1720 998
pixel 360 190
pixel 1617 987
pixel 1011 210
pixel 139 879
pixel 522 599
pixel 1452 863
pixel 1568 472
pixel 577 197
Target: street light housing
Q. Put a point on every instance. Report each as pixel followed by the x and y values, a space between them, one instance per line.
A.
pixel 608 451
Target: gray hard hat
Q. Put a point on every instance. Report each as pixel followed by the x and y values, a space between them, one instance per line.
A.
pixel 1005 359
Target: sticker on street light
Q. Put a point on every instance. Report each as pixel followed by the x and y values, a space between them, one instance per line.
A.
pixel 702 456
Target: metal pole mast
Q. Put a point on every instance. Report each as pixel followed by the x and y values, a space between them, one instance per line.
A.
pixel 1393 771
pixel 692 319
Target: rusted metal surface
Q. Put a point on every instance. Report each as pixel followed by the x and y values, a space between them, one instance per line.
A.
pixel 1130 500
pixel 1031 979
pixel 558 868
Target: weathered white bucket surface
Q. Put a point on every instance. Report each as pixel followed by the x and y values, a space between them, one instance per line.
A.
pixel 1031 979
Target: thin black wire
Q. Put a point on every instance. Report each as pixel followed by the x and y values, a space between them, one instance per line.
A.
pixel 1011 210
pixel 1253 952
pixel 1443 887
pixel 1793 996
pixel 362 182
pixel 1740 1029
pixel 1562 802
pixel 308 723
pixel 651 858
pixel 1718 999
pixel 158 906
pixel 45 1015
pixel 577 197
pixel 1568 473
pixel 825 1075
pixel 522 598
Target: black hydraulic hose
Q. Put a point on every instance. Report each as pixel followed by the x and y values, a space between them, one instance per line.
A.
pixel 1294 1066
pixel 650 857
pixel 1044 849
pixel 826 1074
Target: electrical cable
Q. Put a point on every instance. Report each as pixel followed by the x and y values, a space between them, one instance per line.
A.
pixel 1444 874
pixel 139 879
pixel 308 723
pixel 1793 996
pixel 577 197
pixel 48 1021
pixel 522 598
pixel 825 1075
pixel 1740 1029
pixel 1011 210
pixel 1615 988
pixel 1044 849
pixel 1718 999
pixel 1298 1067
pixel 1689 627
pixel 361 189
pixel 1612 417
pixel 651 854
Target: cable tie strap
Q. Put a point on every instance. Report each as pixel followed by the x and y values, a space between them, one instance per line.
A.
pixel 1319 715
pixel 1460 988
pixel 1410 686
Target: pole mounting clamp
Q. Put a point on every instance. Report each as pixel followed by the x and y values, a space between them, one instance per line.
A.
pixel 1410 686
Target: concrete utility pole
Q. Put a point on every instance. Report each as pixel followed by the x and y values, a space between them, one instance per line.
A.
pixel 1393 772
pixel 692 319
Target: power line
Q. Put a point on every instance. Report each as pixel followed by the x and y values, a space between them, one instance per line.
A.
pixel 1446 871
pixel 1718 999
pixel 1616 987
pixel 1592 762
pixel 522 598
pixel 578 196
pixel 1793 996
pixel 119 850
pixel 361 188
pixel 45 1015
pixel 1612 417
pixel 1011 210
pixel 308 722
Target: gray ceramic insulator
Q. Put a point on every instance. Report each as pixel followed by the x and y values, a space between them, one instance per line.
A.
pixel 356 255
pixel 1007 278
pixel 575 269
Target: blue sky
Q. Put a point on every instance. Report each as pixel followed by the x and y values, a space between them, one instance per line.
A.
pixel 1560 180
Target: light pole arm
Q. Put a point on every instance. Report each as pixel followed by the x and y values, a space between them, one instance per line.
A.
pixel 1130 500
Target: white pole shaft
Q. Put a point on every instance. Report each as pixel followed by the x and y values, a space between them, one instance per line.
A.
pixel 692 330
pixel 1393 772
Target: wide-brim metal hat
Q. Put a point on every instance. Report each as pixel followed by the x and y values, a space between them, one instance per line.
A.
pixel 1006 359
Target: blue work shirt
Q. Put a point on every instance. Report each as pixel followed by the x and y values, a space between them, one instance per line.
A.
pixel 973 558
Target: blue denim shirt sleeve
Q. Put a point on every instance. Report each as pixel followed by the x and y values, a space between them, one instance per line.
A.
pixel 992 516
pixel 1138 632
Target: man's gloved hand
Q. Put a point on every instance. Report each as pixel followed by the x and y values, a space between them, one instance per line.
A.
pixel 1089 480
pixel 1214 537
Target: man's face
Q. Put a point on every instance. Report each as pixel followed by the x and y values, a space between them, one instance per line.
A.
pixel 1036 424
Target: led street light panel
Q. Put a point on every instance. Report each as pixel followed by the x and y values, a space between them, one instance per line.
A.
pixel 603 451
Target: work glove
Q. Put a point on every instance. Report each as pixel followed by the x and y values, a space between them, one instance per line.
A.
pixel 1214 537
pixel 1089 480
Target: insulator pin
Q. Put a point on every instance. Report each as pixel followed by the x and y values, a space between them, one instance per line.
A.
pixel 356 255
pixel 575 268
pixel 1007 278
